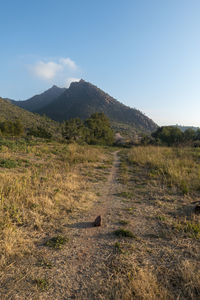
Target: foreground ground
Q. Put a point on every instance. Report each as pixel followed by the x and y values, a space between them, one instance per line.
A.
pixel 147 246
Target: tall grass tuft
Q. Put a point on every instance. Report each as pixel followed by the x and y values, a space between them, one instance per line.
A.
pixel 178 167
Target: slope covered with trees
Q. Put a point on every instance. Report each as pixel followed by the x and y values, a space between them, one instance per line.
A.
pixel 12 113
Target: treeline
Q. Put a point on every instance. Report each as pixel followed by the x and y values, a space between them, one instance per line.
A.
pixel 16 128
pixel 173 136
pixel 94 130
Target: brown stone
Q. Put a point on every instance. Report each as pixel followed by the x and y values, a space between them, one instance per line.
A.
pixel 97 221
pixel 197 209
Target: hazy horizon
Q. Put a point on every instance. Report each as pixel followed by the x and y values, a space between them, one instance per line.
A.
pixel 143 53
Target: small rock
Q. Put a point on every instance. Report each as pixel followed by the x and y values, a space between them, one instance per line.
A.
pixel 97 221
pixel 197 209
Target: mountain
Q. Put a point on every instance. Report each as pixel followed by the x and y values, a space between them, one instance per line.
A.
pixel 37 102
pixel 10 112
pixel 82 99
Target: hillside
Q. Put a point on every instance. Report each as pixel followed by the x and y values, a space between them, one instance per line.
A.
pixel 10 112
pixel 82 99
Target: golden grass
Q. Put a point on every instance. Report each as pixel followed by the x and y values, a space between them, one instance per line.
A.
pixel 181 281
pixel 52 180
pixel 37 193
pixel 163 260
pixel 145 285
pixel 178 167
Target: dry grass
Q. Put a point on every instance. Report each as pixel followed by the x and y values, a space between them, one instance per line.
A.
pixel 178 167
pixel 38 192
pixel 146 286
pixel 163 260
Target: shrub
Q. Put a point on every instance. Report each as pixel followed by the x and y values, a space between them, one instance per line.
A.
pixel 56 242
pixel 124 233
pixel 40 132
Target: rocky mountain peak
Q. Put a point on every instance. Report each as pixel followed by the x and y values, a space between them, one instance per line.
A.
pixel 82 99
pixel 54 87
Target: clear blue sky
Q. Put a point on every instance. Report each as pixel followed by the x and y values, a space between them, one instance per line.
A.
pixel 145 53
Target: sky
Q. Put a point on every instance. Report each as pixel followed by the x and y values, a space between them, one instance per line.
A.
pixel 144 53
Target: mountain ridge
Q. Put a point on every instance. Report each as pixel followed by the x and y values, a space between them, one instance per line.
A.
pixel 82 99
pixel 40 100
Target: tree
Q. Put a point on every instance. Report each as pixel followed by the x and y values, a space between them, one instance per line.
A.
pixel 100 131
pixel 74 130
pixel 168 135
pixel 189 135
pixel 95 130
pixel 40 132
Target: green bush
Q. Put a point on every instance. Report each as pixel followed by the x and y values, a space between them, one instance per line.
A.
pixel 8 163
pixel 40 132
pixel 124 233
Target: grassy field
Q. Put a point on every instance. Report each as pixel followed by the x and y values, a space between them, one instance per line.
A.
pixel 162 261
pixel 175 167
pixel 41 182
pixel 148 246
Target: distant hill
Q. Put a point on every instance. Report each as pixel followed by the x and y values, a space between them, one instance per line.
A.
pixel 37 102
pixel 10 112
pixel 82 99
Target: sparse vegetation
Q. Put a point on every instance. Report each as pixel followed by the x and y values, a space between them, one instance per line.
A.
pixel 8 163
pixel 117 247
pixel 126 194
pixel 41 283
pixel 189 227
pixel 124 233
pixel 44 264
pixel 56 242
pixel 123 222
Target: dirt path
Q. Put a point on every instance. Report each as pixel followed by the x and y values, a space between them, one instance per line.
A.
pixel 81 269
